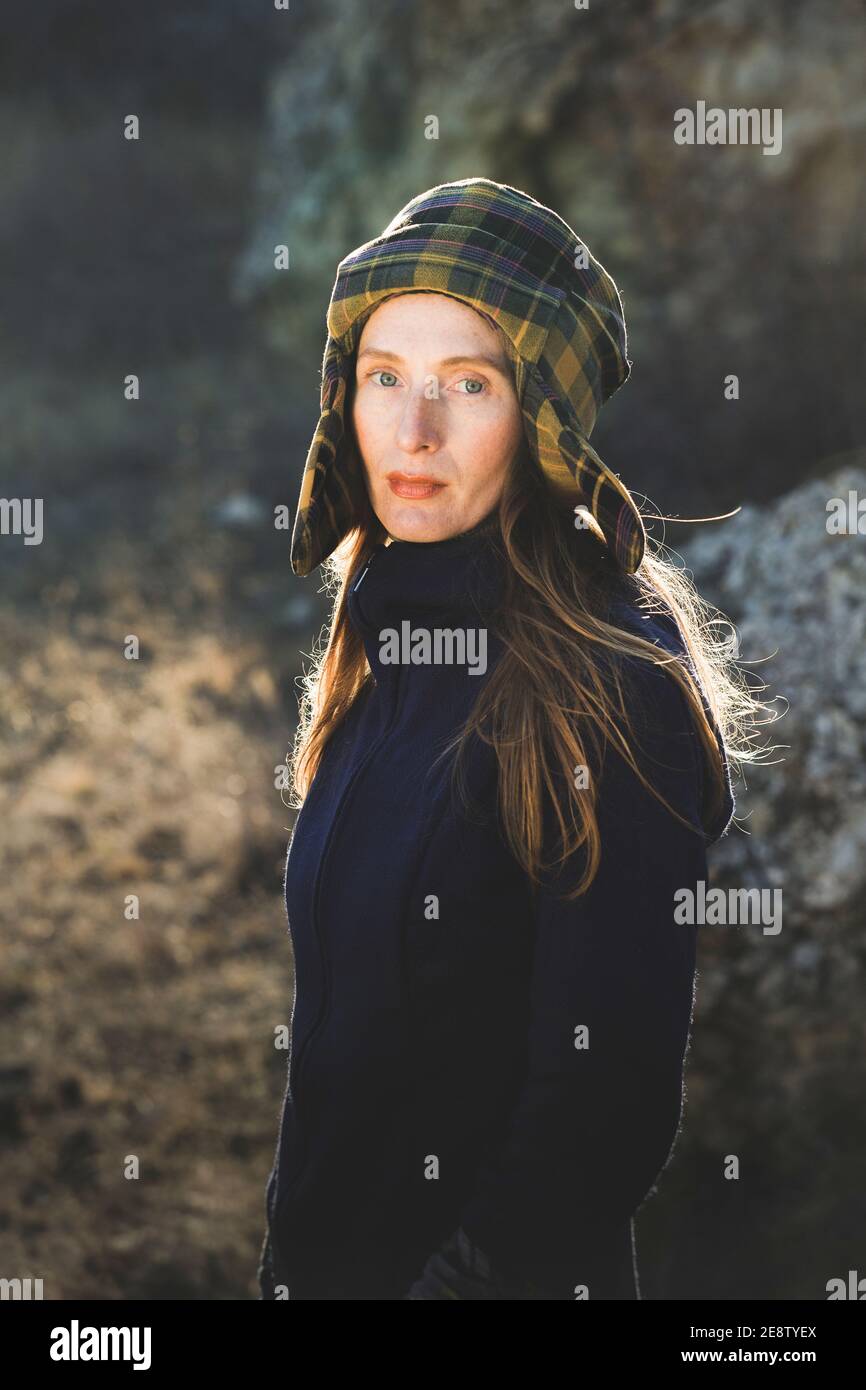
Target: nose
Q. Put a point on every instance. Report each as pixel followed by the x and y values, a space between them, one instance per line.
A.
pixel 420 425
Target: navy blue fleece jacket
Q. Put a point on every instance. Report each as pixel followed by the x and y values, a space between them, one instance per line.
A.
pixel 469 1056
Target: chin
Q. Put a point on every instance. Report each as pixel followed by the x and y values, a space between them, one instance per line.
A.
pixel 411 524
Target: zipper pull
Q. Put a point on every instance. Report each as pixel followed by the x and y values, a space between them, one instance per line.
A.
pixel 357 584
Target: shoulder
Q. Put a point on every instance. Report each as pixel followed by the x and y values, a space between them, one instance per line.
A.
pixel 653 695
pixel 657 723
pixel 661 703
pixel 644 771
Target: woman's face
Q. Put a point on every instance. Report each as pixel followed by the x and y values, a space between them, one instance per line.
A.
pixel 435 414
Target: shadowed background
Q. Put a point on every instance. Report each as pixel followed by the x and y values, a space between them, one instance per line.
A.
pixel 156 777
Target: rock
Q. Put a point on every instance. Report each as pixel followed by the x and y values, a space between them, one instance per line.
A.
pixel 779 1039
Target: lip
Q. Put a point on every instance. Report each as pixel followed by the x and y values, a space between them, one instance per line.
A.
pixel 414 487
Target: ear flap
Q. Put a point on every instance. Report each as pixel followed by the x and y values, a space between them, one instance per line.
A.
pixel 332 486
pixel 576 472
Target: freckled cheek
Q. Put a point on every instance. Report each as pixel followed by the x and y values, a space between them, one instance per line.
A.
pixel 364 424
pixel 372 412
pixel 493 428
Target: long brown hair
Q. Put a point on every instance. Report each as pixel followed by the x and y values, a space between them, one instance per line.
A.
pixel 559 695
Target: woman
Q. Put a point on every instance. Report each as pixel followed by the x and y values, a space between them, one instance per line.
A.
pixel 513 753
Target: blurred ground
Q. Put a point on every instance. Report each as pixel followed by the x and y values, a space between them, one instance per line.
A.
pixel 152 1037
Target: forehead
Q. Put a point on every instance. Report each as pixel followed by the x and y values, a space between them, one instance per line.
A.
pixel 409 308
pixel 410 305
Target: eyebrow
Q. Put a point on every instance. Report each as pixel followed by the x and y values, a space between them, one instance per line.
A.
pixel 473 359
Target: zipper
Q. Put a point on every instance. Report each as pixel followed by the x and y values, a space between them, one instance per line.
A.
pixel 357 584
pixel 296 1066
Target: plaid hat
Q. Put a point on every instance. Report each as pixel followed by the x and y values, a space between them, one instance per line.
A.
pixel 514 260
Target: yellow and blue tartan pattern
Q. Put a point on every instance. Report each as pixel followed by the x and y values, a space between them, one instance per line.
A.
pixel 503 253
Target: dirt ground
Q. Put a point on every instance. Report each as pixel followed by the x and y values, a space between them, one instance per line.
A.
pixel 140 1087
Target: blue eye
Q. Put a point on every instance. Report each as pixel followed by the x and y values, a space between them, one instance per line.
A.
pixel 477 382
pixel 383 371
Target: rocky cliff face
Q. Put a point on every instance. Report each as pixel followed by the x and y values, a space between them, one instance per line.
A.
pixel 776 1070
pixel 798 597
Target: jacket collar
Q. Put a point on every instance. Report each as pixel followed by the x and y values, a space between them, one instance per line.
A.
pixel 429 585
